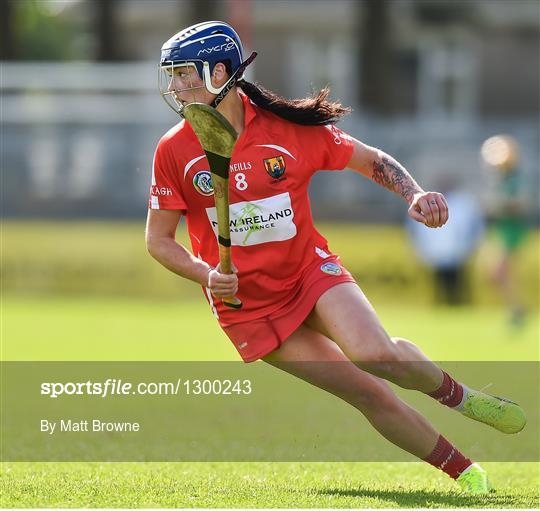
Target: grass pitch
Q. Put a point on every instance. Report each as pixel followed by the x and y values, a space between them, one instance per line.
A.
pixel 254 485
pixel 120 329
pixel 108 325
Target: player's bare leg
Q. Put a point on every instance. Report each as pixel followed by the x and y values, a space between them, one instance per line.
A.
pixel 393 418
pixel 311 356
pixel 344 315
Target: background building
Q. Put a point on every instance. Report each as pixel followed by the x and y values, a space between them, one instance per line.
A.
pixel 428 80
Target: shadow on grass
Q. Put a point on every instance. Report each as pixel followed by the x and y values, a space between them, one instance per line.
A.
pixel 423 498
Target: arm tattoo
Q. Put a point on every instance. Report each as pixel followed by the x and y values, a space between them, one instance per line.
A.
pixel 392 175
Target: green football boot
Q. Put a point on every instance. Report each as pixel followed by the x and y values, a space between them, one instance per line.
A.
pixel 474 480
pixel 497 412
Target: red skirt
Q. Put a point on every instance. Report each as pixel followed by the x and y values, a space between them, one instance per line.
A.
pixel 257 338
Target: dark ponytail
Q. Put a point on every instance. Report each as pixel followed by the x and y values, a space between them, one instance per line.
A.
pixel 313 111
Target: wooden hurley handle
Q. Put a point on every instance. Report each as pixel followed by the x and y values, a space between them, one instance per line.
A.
pixel 226 267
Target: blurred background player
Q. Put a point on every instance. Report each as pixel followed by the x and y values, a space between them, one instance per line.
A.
pixel 447 251
pixel 507 209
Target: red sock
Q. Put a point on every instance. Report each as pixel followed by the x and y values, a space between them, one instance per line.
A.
pixel 450 393
pixel 447 458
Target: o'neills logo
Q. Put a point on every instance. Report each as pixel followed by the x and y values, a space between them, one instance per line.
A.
pixel 202 181
pixel 243 165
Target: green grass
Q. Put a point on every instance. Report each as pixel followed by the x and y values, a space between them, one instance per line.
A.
pixel 258 485
pixel 120 329
pixel 88 291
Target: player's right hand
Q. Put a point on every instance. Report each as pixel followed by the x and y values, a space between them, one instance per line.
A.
pixel 222 285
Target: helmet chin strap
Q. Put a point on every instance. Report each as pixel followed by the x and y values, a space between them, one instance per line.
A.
pixel 224 89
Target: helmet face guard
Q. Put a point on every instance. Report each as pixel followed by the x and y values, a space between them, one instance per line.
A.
pixel 201 46
pixel 166 76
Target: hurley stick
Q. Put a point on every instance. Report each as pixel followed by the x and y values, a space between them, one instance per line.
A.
pixel 217 137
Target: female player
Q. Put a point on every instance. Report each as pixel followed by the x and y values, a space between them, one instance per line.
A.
pixel 299 302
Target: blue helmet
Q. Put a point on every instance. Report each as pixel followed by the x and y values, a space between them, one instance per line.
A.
pixel 204 45
pixel 210 41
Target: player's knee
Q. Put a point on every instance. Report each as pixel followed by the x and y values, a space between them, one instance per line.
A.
pixel 406 350
pixel 402 344
pixel 383 352
pixel 373 346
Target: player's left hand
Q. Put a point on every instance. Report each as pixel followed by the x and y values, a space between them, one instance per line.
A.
pixel 429 208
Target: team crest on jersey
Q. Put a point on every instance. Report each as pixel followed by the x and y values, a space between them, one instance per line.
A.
pixel 202 181
pixel 331 268
pixel 275 166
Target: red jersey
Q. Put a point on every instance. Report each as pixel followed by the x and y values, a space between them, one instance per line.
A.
pixel 273 237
